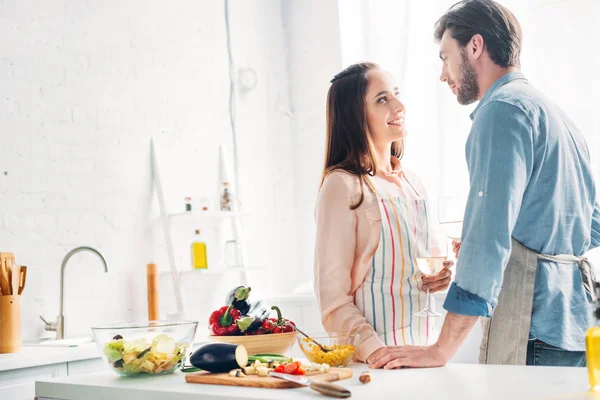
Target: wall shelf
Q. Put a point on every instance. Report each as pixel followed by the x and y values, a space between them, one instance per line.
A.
pixel 214 271
pixel 207 214
pixel 215 218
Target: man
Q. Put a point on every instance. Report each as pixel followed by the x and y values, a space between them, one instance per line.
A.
pixel 531 213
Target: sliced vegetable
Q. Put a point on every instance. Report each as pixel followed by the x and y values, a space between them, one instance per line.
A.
pixel 220 357
pixel 266 358
pixel 280 368
pixel 249 370
pixel 291 368
pixel 237 373
pixel 138 356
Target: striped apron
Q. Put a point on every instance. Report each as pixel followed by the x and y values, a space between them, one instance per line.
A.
pixel 391 292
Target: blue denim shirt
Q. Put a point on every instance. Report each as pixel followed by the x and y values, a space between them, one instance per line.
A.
pixel 531 178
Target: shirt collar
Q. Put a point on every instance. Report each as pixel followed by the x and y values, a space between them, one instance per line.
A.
pixel 396 168
pixel 503 80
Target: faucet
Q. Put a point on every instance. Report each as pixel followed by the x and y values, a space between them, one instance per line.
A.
pixel 59 325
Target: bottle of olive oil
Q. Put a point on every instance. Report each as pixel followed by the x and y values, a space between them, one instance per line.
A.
pixel 199 260
pixel 592 345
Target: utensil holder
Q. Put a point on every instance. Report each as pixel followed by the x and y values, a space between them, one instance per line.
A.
pixel 10 324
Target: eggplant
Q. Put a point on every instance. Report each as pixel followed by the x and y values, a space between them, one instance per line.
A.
pixel 254 318
pixel 220 357
pixel 239 298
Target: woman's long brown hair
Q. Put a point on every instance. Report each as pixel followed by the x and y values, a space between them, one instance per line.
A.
pixel 348 145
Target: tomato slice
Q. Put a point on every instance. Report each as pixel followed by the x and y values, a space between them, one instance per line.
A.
pixel 300 371
pixel 280 368
pixel 291 368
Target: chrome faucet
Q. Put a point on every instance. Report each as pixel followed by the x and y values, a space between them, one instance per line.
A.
pixel 59 325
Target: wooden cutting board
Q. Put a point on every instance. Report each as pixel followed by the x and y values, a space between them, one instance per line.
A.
pixel 269 382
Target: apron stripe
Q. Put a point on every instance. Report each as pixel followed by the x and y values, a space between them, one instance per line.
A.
pixel 415 213
pixel 387 215
pixel 402 279
pixel 373 293
pixel 409 285
pixel 382 279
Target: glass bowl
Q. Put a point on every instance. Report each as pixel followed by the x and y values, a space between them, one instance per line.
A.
pixel 341 344
pixel 144 348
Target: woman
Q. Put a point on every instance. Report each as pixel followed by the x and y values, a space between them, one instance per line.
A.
pixel 368 213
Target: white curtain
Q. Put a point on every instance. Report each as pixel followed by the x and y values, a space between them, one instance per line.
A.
pixel 398 35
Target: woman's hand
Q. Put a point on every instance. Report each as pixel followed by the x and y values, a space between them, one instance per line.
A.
pixel 439 281
pixel 407 356
pixel 377 354
pixel 456 247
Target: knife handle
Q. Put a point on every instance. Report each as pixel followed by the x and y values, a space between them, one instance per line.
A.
pixel 330 389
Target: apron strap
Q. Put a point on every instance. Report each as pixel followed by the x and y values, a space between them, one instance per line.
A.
pixel 372 186
pixel 584 266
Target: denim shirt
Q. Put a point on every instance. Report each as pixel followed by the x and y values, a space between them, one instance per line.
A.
pixel 531 179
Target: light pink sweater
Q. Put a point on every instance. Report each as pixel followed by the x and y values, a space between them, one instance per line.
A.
pixel 346 241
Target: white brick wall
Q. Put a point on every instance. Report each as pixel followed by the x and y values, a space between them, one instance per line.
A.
pixel 84 87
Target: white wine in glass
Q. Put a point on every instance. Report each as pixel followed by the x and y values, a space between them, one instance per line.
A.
pixel 432 251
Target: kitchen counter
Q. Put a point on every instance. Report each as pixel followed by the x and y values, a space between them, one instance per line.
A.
pixel 33 356
pixel 455 381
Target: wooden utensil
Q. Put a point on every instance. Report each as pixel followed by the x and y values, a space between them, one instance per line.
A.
pixel 4 282
pixel 16 278
pixel 334 374
pixel 23 279
pixel 7 260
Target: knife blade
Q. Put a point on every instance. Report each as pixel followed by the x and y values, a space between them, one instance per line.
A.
pixel 325 388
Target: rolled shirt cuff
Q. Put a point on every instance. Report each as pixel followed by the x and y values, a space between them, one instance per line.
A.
pixel 459 301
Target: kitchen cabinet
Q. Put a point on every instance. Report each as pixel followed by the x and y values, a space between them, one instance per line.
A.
pixel 20 371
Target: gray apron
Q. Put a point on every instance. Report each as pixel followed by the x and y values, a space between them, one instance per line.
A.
pixel 506 333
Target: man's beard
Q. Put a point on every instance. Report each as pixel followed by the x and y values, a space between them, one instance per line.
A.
pixel 468 91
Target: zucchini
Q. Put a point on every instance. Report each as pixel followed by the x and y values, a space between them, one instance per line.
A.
pixel 267 358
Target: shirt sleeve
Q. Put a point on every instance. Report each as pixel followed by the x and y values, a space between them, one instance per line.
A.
pixel 334 258
pixel 595 242
pixel 499 156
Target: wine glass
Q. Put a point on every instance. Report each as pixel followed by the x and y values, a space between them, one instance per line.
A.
pixel 451 210
pixel 431 252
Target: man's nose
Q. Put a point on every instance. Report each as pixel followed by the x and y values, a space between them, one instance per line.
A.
pixel 444 74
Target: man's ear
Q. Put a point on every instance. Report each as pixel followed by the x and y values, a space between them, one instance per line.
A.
pixel 476 46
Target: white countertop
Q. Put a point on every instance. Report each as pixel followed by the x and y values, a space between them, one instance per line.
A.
pixel 33 356
pixel 455 381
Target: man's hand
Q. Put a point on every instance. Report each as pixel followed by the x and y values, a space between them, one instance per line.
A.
pixel 456 247
pixel 439 281
pixel 408 356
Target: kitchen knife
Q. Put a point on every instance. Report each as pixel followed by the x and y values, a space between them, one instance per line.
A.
pixel 325 388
